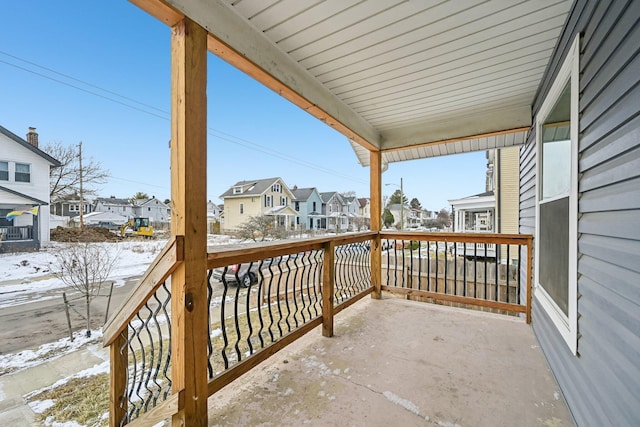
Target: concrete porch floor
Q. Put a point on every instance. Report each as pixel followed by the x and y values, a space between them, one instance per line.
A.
pixel 394 362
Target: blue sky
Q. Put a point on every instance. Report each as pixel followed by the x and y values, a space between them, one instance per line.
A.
pixel 99 72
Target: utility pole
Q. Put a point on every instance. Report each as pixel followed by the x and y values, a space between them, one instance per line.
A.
pixel 81 194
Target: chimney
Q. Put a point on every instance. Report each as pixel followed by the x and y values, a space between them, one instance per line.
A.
pixel 295 187
pixel 32 137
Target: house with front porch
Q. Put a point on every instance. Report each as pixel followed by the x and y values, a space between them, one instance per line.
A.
pixel 308 204
pixel 560 80
pixel 270 197
pixel 24 191
pixel 333 209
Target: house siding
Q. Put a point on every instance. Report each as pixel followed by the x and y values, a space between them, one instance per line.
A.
pixel 602 382
pixel 37 187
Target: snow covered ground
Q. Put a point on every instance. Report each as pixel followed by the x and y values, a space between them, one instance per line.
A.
pixel 29 276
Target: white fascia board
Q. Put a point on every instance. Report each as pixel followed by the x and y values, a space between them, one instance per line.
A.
pixel 222 22
pixel 474 203
pixel 457 127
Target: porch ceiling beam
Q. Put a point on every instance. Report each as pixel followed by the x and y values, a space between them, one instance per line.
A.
pixel 458 128
pixel 240 44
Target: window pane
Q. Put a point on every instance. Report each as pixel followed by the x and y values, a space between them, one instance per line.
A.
pixel 22 173
pixel 554 251
pixel 556 148
pixel 4 171
pixel 556 168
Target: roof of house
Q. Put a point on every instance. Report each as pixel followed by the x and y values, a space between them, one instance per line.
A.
pixel 251 188
pixel 113 201
pixel 6 132
pixel 25 196
pixel 326 196
pixel 363 201
pixel 142 202
pixel 301 194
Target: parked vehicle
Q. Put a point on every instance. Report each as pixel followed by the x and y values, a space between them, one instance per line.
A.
pixel 246 274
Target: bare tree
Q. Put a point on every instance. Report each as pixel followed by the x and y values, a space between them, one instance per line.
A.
pixel 65 179
pixel 85 267
pixel 261 227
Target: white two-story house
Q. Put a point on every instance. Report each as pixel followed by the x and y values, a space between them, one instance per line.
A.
pixel 24 191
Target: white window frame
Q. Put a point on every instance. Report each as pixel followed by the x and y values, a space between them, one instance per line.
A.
pixel 567 325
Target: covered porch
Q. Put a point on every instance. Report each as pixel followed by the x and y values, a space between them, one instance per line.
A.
pixel 176 342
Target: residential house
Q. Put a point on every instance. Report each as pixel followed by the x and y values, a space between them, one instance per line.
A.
pixel 214 216
pixel 333 209
pixel 364 211
pixel 70 207
pixel 24 191
pixel 308 204
pixel 401 215
pixel 352 209
pixel 496 210
pixel 158 212
pixel 269 197
pixel 112 204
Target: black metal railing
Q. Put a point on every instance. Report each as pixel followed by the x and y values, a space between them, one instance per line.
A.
pixel 262 301
pixel 469 269
pixel 146 353
pixel 352 270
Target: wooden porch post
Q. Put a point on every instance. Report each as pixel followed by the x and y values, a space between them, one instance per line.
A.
pixel 188 218
pixel 375 170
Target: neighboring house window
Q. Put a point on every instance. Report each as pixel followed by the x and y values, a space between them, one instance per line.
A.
pixel 314 206
pixel 330 210
pixel 149 209
pixel 557 207
pixel 237 190
pixel 23 172
pixel 3 217
pixel 267 201
pixel 241 208
pixel 276 188
pixel 283 201
pixel 4 171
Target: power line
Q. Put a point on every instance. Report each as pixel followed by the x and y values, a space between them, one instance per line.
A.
pixel 227 137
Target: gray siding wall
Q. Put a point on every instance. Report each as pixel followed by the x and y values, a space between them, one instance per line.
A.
pixel 601 384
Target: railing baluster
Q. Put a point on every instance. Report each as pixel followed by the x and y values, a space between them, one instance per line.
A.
pixel 497 262
pixel 508 264
pixel 464 268
pixel 223 320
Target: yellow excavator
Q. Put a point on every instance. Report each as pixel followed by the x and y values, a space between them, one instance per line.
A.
pixel 139 227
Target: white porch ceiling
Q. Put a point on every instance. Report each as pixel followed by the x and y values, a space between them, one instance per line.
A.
pixel 411 78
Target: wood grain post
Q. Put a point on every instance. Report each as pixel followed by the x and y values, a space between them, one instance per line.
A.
pixel 188 218
pixel 375 168
pixel 328 288
pixel 118 379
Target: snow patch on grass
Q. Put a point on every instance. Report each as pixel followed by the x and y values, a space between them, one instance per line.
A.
pixel 30 358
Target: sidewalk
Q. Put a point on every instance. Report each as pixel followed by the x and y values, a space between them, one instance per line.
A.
pixel 14 410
